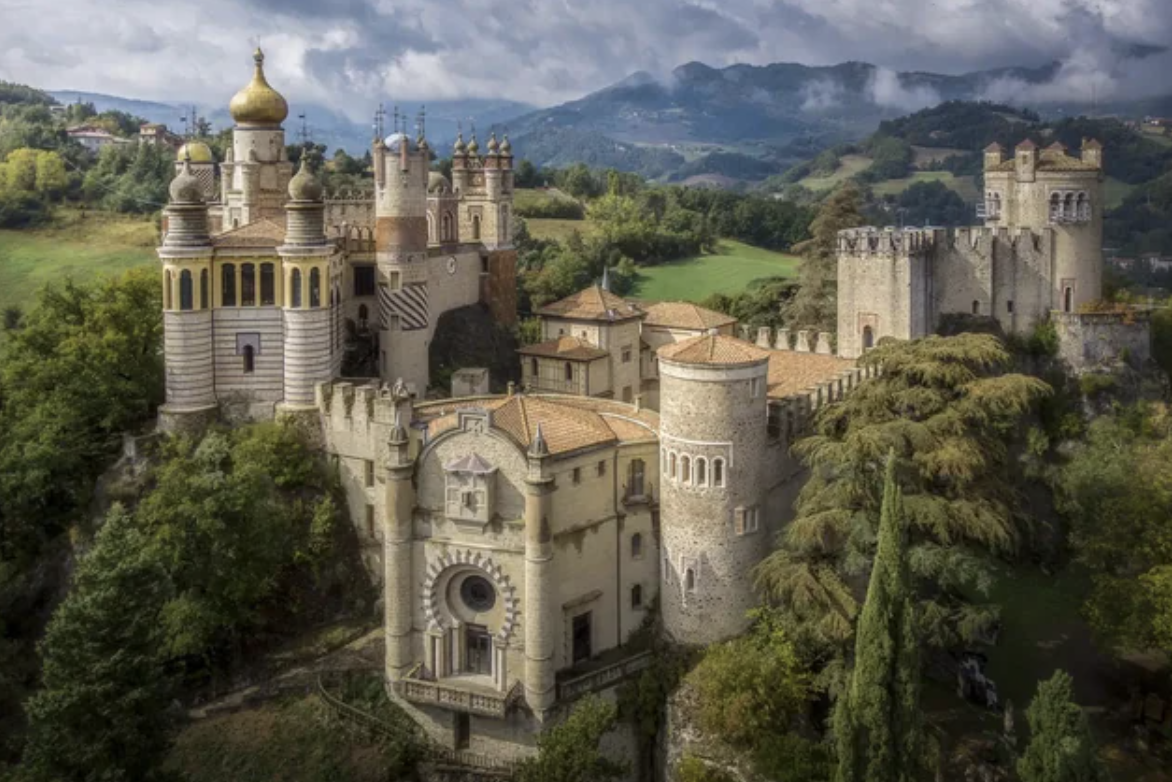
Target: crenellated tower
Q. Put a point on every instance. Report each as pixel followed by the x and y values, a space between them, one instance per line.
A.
pixel 255 176
pixel 186 254
pixel 400 234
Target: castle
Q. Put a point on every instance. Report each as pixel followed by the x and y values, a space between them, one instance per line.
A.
pixel 521 539
pixel 1040 251
pixel 261 276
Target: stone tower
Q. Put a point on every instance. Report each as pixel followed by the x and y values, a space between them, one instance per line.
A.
pixel 485 185
pixel 311 342
pixel 713 441
pixel 186 254
pixel 256 174
pixel 400 236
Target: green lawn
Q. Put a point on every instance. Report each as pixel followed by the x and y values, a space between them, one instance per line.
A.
pixel 849 166
pixel 964 186
pixel 97 245
pixel 1115 191
pixel 729 270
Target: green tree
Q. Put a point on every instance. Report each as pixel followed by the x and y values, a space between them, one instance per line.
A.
pixel 815 304
pixel 51 178
pixel 949 410
pixel 1117 491
pixel 20 170
pixel 569 751
pixel 1061 748
pixel 99 714
pixel 877 720
pixel 1162 341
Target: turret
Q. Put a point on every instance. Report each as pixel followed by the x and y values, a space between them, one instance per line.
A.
pixel 994 156
pixel 1026 160
pixel 186 254
pixel 714 529
pixel 203 166
pixel 309 308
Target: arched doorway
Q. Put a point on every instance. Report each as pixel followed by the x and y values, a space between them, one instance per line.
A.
pixel 868 338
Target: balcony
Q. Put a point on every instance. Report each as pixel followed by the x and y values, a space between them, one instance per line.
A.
pixel 602 677
pixel 462 696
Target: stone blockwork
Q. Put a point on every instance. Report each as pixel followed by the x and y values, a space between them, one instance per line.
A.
pixel 1097 341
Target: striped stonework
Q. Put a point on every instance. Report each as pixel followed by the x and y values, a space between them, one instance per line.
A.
pixel 409 303
pixel 188 347
pixel 308 353
pixel 266 382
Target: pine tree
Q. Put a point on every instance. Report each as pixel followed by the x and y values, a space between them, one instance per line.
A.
pixel 877 723
pixel 1061 748
pixel 815 303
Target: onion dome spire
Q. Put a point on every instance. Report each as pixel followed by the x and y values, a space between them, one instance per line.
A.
pixel 473 146
pixel 493 144
pixel 258 103
pixel 185 188
pixel 506 147
pixel 304 186
pixel 459 148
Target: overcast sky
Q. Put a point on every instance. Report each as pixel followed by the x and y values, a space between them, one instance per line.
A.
pixel 350 53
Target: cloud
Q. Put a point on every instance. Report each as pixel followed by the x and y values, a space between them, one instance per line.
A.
pixel 351 54
pixel 886 89
pixel 822 94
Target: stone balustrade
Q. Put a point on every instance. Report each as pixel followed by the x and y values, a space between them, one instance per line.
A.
pixel 449 695
pixel 603 677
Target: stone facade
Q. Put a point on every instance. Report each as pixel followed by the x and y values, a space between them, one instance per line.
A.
pixel 262 286
pixel 1040 251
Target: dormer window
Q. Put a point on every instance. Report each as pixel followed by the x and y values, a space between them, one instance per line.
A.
pixel 470 489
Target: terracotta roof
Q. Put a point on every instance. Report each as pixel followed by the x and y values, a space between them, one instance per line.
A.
pixel 994 147
pixel 265 232
pixel 683 315
pixel 594 303
pixel 791 373
pixel 568 423
pixel 1091 144
pixel 1027 145
pixel 569 348
pixel 714 349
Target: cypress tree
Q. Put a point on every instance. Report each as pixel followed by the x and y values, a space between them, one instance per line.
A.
pixel 1061 748
pixel 877 723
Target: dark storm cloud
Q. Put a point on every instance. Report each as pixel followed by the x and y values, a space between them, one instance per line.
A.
pixel 544 51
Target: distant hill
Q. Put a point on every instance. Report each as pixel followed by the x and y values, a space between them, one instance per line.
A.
pixel 326 126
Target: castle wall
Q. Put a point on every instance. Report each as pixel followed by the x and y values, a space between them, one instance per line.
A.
pixel 187 344
pixel 1103 340
pixel 251 394
pixel 498 287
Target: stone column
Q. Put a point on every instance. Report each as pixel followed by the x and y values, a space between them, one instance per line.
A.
pixel 398 564
pixel 540 619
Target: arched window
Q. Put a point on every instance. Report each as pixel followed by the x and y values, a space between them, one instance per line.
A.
pixel 476 227
pixel 637 596
pixel 1068 207
pixel 1083 206
pixel 718 472
pixel 976 307
pixel 167 302
pixel 203 289
pixel 672 469
pixel 267 288
pixel 569 368
pixel 997 205
pixel 248 285
pixel 249 354
pixel 446 227
pixel 1068 300
pixel 295 299
pixel 228 285
pixel 689 580
pixel 637 546
pixel 314 287
pixel 636 487
pixel 868 338
pixel 701 471
pixel 1055 207
pixel 363 316
pixel 431 237
pixel 533 367
pixel 186 294
pixel 685 469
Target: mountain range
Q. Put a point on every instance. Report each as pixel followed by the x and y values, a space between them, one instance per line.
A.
pixel 698 120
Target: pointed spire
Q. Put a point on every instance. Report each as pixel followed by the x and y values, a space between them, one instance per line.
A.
pixel 605 284
pixel 398 432
pixel 539 447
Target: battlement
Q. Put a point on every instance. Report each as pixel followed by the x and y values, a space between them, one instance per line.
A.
pixel 869 240
pixel 351 410
pixel 981 238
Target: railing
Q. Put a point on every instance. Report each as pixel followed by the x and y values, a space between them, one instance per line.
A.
pixel 603 677
pixel 456 698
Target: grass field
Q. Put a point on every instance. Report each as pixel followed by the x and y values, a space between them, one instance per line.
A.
pixel 1115 191
pixel 98 245
pixel 923 156
pixel 963 186
pixel 849 166
pixel 729 270
pixel 544 228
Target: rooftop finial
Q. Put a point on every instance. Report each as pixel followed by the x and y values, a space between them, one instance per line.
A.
pixel 539 447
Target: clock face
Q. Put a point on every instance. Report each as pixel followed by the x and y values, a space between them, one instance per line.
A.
pixel 452 265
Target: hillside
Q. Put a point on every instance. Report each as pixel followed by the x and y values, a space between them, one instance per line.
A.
pixel 729 270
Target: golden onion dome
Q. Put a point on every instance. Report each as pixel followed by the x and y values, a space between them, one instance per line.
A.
pixel 258 103
pixel 196 152
pixel 304 186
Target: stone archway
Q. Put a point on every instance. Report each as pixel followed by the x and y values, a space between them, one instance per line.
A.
pixel 433 591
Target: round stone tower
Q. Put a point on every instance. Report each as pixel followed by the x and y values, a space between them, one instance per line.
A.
pixel 186 254
pixel 307 307
pixel 400 231
pixel 713 441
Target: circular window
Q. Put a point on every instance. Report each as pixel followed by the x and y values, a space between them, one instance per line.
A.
pixel 478 594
